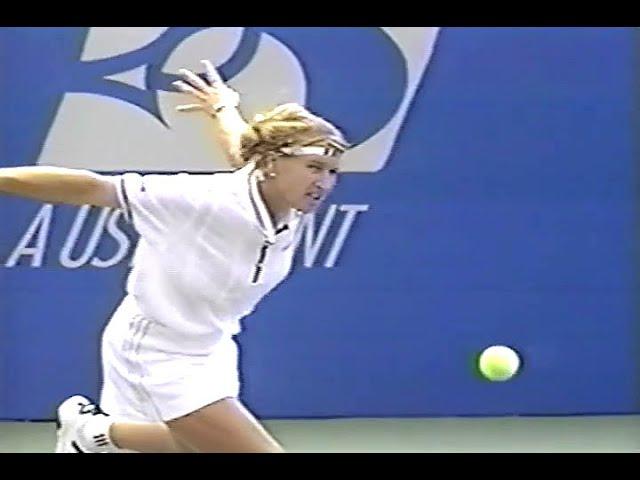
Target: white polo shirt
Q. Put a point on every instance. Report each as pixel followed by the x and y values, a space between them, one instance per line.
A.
pixel 208 253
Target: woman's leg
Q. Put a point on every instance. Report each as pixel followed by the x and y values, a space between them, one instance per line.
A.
pixel 224 426
pixel 146 438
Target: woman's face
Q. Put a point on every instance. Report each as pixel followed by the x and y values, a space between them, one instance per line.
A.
pixel 303 182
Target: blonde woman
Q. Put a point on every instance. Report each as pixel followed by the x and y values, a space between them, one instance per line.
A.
pixel 211 247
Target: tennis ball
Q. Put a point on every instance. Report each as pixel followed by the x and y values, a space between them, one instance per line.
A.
pixel 499 363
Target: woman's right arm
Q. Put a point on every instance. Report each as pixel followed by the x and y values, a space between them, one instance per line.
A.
pixel 59 185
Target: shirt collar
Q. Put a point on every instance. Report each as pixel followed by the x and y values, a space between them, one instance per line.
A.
pixel 248 190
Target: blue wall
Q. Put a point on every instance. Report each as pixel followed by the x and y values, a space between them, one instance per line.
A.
pixel 504 214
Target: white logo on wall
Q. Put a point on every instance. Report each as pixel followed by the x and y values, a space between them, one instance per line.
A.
pixel 106 134
pixel 103 133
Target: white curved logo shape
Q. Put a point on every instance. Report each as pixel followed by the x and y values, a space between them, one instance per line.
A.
pixel 102 133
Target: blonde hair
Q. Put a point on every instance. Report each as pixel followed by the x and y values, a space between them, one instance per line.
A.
pixel 288 125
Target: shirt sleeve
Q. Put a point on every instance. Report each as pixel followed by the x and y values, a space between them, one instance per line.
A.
pixel 156 204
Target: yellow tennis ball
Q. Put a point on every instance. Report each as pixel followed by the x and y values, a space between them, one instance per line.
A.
pixel 499 363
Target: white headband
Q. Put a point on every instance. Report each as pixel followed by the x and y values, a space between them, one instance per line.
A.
pixel 311 150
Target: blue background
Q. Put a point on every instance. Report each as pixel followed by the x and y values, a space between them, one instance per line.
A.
pixel 506 214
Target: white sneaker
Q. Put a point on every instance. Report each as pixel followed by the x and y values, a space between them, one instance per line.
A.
pixel 83 427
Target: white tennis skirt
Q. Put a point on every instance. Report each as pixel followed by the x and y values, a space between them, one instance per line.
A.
pixel 142 383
